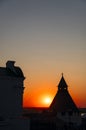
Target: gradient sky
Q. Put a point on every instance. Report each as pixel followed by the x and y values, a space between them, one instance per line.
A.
pixel 46 38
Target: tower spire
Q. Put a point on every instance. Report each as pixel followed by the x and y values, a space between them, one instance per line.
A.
pixel 62 84
pixel 62 74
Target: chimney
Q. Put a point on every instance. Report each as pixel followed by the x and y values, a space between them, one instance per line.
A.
pixel 10 65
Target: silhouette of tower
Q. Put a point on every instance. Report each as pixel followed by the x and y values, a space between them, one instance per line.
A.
pixel 11 98
pixel 11 90
pixel 63 104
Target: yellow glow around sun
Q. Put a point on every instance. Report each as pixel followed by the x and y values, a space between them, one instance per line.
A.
pixel 47 100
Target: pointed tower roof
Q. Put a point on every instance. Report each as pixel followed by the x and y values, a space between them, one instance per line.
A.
pixel 62 101
pixel 62 84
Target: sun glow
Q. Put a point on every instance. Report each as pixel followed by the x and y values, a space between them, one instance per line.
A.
pixel 46 101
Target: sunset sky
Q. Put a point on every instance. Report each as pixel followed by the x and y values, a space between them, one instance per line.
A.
pixel 45 38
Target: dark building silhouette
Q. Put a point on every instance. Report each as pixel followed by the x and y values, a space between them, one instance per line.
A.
pixel 11 98
pixel 62 101
pixel 11 90
pixel 64 106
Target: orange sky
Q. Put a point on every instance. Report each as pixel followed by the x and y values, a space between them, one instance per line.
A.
pixel 34 97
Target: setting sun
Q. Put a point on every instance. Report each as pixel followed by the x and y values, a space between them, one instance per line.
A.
pixel 47 100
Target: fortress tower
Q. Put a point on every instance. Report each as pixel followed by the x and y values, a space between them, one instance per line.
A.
pixel 11 90
pixel 64 106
